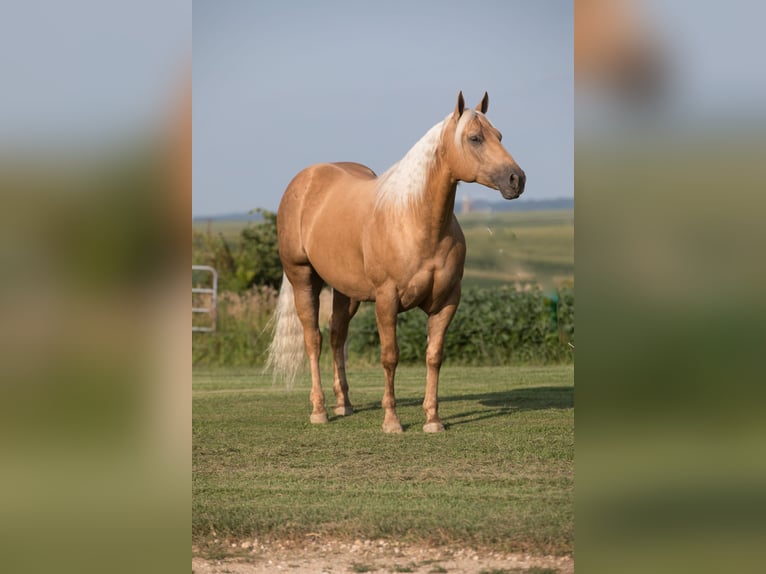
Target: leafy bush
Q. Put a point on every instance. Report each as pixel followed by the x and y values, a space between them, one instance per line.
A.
pixel 491 327
pixel 497 326
pixel 251 260
pixel 565 318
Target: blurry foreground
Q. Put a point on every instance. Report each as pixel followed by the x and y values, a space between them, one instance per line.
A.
pixel 95 162
pixel 671 314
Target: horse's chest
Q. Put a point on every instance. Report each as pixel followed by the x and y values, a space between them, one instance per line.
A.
pixel 431 284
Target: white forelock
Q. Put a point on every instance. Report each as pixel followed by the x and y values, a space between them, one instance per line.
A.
pixel 465 118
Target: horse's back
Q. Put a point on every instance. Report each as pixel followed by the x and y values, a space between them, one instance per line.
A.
pixel 356 169
pixel 321 220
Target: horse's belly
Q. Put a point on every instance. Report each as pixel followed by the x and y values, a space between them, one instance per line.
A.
pixel 339 262
pixel 346 278
pixel 332 226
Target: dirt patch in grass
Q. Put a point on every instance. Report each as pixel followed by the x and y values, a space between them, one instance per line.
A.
pixel 316 555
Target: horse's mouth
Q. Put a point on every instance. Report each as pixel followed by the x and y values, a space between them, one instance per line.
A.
pixel 510 194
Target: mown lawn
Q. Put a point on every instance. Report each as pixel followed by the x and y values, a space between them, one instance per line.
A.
pixel 501 476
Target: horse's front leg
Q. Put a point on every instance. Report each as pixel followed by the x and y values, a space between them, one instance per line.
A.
pixel 437 328
pixel 386 309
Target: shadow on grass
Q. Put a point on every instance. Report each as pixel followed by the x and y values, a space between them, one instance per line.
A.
pixel 495 404
pixel 507 403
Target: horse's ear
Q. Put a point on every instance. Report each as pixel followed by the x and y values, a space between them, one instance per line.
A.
pixel 483 104
pixel 460 105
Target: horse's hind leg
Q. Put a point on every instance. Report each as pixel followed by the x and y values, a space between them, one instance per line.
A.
pixel 343 309
pixel 307 286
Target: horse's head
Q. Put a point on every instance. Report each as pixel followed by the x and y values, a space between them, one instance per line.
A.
pixel 473 149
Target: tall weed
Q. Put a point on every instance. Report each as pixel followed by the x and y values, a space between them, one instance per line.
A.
pixel 242 335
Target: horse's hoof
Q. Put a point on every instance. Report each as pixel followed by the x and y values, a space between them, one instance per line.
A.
pixel 392 427
pixel 318 419
pixel 433 427
pixel 344 411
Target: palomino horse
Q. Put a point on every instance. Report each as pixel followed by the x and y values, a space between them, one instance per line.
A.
pixel 392 239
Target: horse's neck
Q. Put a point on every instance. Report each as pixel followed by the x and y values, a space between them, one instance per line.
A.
pixel 425 199
pixel 438 202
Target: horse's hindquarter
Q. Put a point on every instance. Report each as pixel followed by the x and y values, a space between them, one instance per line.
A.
pixel 335 203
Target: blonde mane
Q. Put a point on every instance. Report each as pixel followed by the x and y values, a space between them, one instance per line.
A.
pixel 405 181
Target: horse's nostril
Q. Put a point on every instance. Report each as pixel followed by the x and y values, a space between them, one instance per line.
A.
pixel 519 179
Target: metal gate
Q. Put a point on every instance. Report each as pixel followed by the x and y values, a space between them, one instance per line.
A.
pixel 213 309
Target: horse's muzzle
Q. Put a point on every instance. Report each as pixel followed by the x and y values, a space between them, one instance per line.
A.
pixel 513 184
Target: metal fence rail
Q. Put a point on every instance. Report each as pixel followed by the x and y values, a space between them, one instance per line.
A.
pixel 213 309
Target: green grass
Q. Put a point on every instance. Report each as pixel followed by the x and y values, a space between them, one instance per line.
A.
pixel 501 477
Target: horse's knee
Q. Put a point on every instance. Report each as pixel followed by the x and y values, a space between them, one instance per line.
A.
pixel 389 357
pixel 434 357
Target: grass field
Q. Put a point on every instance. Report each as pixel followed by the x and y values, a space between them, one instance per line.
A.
pixel 501 477
pixel 533 246
pixel 229 229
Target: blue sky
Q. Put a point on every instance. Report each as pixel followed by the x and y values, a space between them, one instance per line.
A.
pixel 279 86
pixel 87 72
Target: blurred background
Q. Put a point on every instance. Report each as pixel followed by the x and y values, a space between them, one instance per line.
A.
pixel 95 165
pixel 669 146
pixel 95 183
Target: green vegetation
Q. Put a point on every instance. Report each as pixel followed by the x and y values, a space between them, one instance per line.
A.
pixel 249 260
pixel 519 247
pixel 491 327
pixel 242 335
pixel 517 305
pixel 501 477
pixel 229 229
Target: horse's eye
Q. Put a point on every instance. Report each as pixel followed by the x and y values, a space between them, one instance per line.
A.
pixel 475 138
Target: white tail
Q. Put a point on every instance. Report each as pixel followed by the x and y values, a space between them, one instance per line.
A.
pixel 286 352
